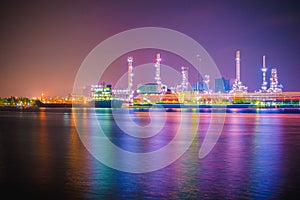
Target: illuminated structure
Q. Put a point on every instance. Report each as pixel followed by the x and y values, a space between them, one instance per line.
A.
pixel 148 88
pixel 238 66
pixel 185 81
pixel 238 87
pixel 130 75
pixel 206 81
pixel 157 69
pixel 101 92
pixel 222 85
pixel 274 86
pixel 264 70
pixel 198 73
pixel 42 97
pixel 199 86
pixel 102 95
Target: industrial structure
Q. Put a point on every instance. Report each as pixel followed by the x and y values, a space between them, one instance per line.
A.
pixel 200 93
pixel 185 79
pixel 264 70
pixel 197 88
pixel 222 85
pixel 157 69
pixel 202 87
pixel 206 81
pixel 130 77
pixel 237 86
pixel 156 90
pixel 274 85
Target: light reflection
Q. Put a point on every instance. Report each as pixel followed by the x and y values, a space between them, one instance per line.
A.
pixel 236 167
pixel 254 158
pixel 187 174
pixel 239 131
pixel 101 179
pixel 267 155
pixel 77 160
pixel 43 148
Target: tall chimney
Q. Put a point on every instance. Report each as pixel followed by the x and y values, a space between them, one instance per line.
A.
pixel 238 65
pixel 130 75
pixel 157 67
pixel 264 70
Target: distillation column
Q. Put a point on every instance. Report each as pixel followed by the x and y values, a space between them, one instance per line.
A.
pixel 237 85
pixel 238 66
pixel 264 70
pixel 185 78
pixel 274 85
pixel 157 69
pixel 130 75
pixel 206 81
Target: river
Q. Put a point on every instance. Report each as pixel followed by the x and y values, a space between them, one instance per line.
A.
pixel 53 154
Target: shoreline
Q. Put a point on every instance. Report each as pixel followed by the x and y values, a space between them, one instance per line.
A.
pixel 169 108
pixel 20 109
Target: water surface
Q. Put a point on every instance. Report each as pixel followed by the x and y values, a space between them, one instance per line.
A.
pixel 256 157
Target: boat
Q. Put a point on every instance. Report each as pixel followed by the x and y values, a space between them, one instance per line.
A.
pixel 113 103
pixel 102 97
pixel 52 104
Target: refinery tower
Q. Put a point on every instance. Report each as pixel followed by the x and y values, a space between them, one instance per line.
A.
pixel 237 86
pixel 264 71
pixel 275 87
pixel 130 76
pixel 157 69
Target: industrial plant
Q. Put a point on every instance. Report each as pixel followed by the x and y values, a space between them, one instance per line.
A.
pixel 200 93
pixel 185 94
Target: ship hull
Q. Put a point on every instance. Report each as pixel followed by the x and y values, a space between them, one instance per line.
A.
pixel 53 105
pixel 108 104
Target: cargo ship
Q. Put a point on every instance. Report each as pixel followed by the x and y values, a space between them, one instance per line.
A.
pixel 114 103
pixel 53 104
pixel 102 97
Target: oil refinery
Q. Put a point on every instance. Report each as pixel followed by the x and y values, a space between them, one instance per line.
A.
pixel 200 93
pixel 185 94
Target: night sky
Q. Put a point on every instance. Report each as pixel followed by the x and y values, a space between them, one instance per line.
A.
pixel 44 43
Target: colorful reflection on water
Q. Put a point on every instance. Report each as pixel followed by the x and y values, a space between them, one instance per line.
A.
pixel 256 156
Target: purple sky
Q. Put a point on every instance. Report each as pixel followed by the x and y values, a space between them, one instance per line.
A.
pixel 43 44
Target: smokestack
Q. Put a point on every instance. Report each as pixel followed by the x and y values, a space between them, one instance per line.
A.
pixel 264 70
pixel 185 80
pixel 237 65
pixel 157 71
pixel 130 75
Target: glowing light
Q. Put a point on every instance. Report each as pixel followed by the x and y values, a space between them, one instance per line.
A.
pixel 129 59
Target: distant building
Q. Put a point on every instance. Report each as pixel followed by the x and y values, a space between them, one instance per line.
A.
pixel 149 88
pixel 200 86
pixel 274 85
pixel 222 85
